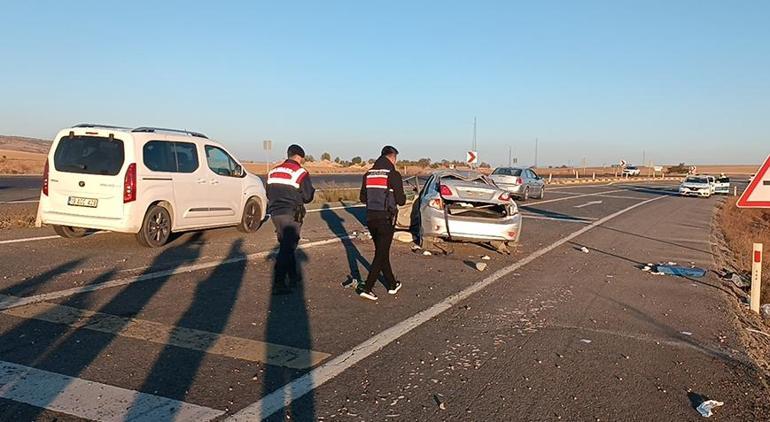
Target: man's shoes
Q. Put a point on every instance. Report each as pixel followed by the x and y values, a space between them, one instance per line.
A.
pixel 366 294
pixel 393 290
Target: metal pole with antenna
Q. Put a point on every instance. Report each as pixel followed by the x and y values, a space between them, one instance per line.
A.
pixel 510 163
pixel 536 142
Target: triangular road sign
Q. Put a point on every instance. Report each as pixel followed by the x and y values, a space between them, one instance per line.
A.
pixel 757 195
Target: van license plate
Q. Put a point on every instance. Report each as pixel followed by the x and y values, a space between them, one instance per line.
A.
pixel 82 202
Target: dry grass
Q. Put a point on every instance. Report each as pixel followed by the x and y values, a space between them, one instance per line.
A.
pixel 741 228
pixel 332 195
pixel 17 215
pixel 21 162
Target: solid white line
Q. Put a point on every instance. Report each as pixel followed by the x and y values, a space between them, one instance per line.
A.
pixel 283 397
pixel 21 202
pixel 343 207
pixel 92 400
pixel 8 302
pixel 27 239
pixel 32 239
pixel 562 219
pixel 574 197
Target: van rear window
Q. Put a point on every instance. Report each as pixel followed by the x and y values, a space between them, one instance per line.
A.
pixel 89 155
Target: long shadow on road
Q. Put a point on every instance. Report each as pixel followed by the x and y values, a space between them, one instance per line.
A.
pixel 71 352
pixel 337 226
pixel 288 323
pixel 174 371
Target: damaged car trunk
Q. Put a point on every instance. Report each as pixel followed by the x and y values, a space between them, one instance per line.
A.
pixel 476 209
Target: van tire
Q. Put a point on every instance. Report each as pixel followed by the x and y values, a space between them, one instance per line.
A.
pixel 156 227
pixel 69 232
pixel 251 220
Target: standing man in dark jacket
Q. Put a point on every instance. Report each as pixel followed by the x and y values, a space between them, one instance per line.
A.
pixel 288 190
pixel 382 191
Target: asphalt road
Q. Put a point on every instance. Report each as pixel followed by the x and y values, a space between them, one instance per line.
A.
pixel 102 329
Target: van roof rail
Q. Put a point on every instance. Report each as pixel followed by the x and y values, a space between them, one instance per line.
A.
pixel 160 129
pixel 96 125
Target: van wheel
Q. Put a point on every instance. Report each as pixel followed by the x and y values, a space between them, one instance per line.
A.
pixel 69 232
pixel 252 217
pixel 156 228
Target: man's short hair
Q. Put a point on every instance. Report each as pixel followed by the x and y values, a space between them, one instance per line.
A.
pixel 389 150
pixel 295 149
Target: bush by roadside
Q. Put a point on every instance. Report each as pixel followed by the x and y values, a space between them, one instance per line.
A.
pixel 741 228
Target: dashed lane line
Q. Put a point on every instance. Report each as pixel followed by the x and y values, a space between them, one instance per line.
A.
pixel 187 338
pixel 92 400
pixel 284 396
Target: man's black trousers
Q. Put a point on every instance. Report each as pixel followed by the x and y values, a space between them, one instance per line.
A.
pixel 382 230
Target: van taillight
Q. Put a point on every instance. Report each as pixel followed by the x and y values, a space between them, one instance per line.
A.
pixel 129 184
pixel 45 178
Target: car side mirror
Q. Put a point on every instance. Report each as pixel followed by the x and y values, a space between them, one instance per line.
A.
pixel 238 172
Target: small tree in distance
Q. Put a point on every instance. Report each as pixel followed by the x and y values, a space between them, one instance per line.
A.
pixel 309 158
pixel 326 156
pixel 356 160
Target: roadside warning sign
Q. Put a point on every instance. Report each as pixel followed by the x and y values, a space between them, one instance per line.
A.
pixel 757 195
pixel 472 157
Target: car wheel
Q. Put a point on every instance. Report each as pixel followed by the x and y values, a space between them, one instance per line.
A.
pixel 252 217
pixel 525 195
pixel 69 232
pixel 156 228
pixel 542 193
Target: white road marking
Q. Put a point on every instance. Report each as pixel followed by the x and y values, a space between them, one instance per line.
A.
pixel 285 395
pixel 32 239
pixel 92 400
pixel 21 202
pixel 27 239
pixel 563 219
pixel 182 337
pixel 8 302
pixel 582 195
pixel 588 204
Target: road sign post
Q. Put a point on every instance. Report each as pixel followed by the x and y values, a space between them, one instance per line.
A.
pixel 756 276
pixel 267 145
pixel 472 157
pixel 757 194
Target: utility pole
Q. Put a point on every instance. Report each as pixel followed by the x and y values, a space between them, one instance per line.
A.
pixel 474 145
pixel 644 157
pixel 510 163
pixel 536 141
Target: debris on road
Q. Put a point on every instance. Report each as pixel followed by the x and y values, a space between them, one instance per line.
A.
pixel 765 310
pixel 738 280
pixel 403 236
pixel 416 248
pixel 427 253
pixel 672 268
pixel 585 340
pixel 705 408
pixel 361 235
pixel 686 333
pixel 481 266
pixel 486 258
pixel 584 249
pixel 439 402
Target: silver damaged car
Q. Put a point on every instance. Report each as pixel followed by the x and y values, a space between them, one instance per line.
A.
pixel 465 206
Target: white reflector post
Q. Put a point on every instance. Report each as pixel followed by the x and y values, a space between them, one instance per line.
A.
pixel 756 276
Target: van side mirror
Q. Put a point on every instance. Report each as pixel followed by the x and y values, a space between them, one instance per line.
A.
pixel 238 172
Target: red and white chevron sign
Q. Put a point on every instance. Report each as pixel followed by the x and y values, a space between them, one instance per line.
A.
pixel 472 157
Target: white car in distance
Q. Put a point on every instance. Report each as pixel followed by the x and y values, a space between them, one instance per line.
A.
pixel 701 186
pixel 631 171
pixel 146 181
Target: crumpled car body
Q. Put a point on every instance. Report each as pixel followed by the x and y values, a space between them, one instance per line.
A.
pixel 463 206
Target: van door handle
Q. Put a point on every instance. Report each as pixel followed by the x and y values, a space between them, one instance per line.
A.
pixel 214 182
pixel 201 181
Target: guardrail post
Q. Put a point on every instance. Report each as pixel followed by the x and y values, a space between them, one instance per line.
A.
pixel 550 177
pixel 756 276
pixel 735 190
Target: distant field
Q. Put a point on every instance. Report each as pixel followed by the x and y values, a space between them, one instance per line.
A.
pixel 19 162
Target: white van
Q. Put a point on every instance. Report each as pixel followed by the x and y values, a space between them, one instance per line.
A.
pixel 148 181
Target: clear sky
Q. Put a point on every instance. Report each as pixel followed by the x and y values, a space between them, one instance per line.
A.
pixel 601 80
